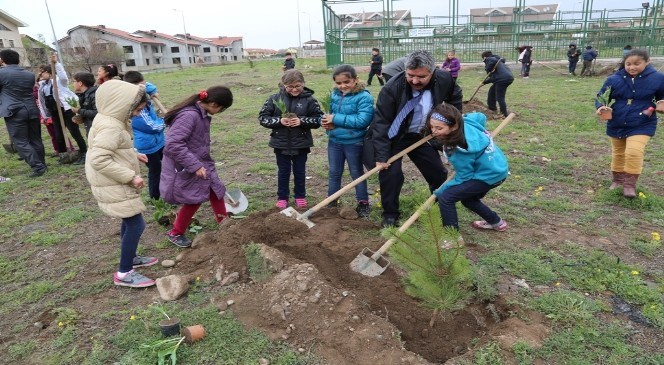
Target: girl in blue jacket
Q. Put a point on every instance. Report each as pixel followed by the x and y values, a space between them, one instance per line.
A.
pixel 351 112
pixel 638 91
pixel 479 165
pixel 149 137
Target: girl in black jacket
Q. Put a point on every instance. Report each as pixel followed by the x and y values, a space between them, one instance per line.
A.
pixel 291 114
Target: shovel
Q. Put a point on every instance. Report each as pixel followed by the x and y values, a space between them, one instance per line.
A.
pixel 549 67
pixel 66 157
pixel 160 106
pixel 475 93
pixel 304 217
pixel 236 202
pixel 371 263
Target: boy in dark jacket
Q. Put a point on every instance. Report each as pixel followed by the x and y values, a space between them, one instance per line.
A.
pixel 85 88
pixel 500 76
pixel 588 56
pixel 290 134
pixel 289 62
pixel 376 66
pixel 573 55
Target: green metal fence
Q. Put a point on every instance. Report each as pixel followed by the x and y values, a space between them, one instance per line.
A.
pixel 607 30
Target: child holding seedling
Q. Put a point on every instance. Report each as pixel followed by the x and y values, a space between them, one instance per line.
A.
pixel 85 88
pixel 290 114
pixel 188 172
pixel 637 90
pixel 479 165
pixel 351 112
pixel 113 171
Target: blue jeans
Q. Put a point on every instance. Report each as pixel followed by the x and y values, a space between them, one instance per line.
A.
pixel 337 154
pixel 572 66
pixel 469 194
pixel 130 233
pixel 284 165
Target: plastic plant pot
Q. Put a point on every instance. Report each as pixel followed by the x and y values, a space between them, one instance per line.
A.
pixel 170 327
pixel 193 333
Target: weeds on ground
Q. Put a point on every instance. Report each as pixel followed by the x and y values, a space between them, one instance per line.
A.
pixel 647 246
pixel 258 268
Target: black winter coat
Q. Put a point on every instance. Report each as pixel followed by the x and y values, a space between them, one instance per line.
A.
pixel 291 139
pixel 88 105
pixel 502 73
pixel 394 96
pixel 376 62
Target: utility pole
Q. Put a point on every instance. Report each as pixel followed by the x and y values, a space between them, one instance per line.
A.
pixel 186 42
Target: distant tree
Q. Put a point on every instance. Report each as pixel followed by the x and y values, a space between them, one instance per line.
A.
pixel 91 52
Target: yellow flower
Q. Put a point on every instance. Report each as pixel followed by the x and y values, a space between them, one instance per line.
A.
pixel 198 278
pixel 540 188
pixel 558 284
pixel 634 272
pixel 60 324
pixel 642 195
pixel 656 236
pixel 133 317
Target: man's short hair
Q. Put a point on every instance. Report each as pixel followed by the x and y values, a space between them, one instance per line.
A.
pixel 486 54
pixel 420 58
pixel 86 78
pixel 375 49
pixel 288 54
pixel 9 56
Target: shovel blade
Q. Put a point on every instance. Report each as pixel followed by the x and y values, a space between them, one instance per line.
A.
pixel 366 265
pixel 291 212
pixel 239 201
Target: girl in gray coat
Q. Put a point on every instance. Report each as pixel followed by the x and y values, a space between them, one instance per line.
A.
pixel 188 173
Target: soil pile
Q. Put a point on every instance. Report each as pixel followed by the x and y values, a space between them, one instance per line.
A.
pixel 316 302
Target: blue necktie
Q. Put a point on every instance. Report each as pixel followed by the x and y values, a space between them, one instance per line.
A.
pixel 396 124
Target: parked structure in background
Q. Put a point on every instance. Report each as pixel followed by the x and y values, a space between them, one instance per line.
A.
pixel 313 48
pixel 10 38
pixel 255 53
pixel 546 27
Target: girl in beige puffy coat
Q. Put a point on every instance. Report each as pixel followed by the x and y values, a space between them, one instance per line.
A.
pixel 112 169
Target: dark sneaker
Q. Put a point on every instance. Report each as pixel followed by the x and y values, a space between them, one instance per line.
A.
pixel 179 240
pixel 389 222
pixel 80 160
pixel 363 209
pixel 141 261
pixel 333 204
pixel 133 280
pixel 38 173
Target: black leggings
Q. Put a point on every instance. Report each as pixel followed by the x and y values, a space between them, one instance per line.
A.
pixel 73 129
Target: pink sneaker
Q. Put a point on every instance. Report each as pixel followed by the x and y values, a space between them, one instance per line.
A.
pixel 282 204
pixel 301 202
pixel 500 227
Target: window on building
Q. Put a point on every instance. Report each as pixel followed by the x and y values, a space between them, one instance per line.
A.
pixel 2 43
pixel 128 49
pixel 130 62
pixel 157 61
pixel 11 43
pixel 530 11
pixel 207 59
pixel 176 60
pixel 234 58
pixel 79 50
pixel 3 27
pixel 529 26
pixel 175 50
pixel 145 48
pixel 206 49
pixel 489 28
pixel 147 62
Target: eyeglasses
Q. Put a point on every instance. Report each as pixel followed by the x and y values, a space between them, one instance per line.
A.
pixel 294 87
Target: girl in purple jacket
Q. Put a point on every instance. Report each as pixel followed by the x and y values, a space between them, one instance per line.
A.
pixel 452 64
pixel 188 173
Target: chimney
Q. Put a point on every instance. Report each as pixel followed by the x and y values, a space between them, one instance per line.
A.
pixel 102 26
pixel 153 31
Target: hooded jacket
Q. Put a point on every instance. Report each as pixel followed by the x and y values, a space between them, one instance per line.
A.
pixel 482 160
pixel 394 96
pixel 353 113
pixel 187 150
pixel 632 96
pixel 148 127
pixel 111 161
pixel 497 71
pixel 453 64
pixel 573 54
pixel 290 139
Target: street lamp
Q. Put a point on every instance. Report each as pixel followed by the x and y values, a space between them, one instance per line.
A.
pixel 309 18
pixel 186 44
pixel 299 36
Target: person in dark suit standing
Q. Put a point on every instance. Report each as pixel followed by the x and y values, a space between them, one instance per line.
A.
pixel 399 118
pixel 18 107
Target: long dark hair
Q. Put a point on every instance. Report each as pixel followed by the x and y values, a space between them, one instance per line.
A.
pixel 453 115
pixel 215 94
pixel 634 52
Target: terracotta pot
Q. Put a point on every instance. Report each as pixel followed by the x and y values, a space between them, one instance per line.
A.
pixel 170 327
pixel 606 114
pixel 193 333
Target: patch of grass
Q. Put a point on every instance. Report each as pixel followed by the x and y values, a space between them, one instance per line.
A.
pixel 46 239
pixel 30 293
pixel 530 264
pixel 10 269
pixel 263 168
pixel 490 354
pixel 22 350
pixel 523 353
pixel 258 269
pixel 70 217
pixel 645 200
pixel 646 246
pixel 566 306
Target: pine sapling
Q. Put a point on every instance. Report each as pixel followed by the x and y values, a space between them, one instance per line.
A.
pixel 73 102
pixel 325 101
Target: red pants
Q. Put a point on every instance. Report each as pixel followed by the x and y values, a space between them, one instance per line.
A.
pixel 187 211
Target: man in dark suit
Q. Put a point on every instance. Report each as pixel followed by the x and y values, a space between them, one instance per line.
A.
pixel 409 96
pixel 18 107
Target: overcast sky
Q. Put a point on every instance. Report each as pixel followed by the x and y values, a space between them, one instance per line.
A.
pixel 262 23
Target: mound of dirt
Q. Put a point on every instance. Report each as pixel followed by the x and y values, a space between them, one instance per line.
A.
pixel 315 301
pixel 475 105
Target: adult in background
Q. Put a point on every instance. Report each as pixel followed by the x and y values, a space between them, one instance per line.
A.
pixel 588 56
pixel 400 115
pixel 573 55
pixel 501 77
pixel 393 68
pixel 17 106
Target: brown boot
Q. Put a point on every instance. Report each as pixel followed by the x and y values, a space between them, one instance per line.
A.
pixel 629 185
pixel 618 180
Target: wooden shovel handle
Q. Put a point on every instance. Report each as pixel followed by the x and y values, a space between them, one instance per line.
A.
pixel 160 106
pixel 429 202
pixel 56 96
pixel 366 175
